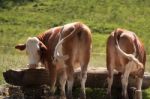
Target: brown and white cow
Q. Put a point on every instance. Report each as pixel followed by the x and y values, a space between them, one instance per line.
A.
pixel 61 50
pixel 126 54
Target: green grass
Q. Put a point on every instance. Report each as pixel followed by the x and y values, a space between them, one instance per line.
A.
pixel 20 19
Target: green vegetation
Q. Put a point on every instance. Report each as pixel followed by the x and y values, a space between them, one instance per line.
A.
pixel 20 19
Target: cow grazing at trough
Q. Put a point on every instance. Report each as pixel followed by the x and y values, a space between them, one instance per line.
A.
pixel 61 49
pixel 126 54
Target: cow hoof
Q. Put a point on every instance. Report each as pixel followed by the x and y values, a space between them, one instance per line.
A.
pixel 63 97
pixel 50 97
pixel 69 96
pixel 52 91
pixel 108 96
pixel 138 94
pixel 82 96
pixel 125 97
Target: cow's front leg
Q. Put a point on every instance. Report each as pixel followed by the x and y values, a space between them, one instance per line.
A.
pixel 138 92
pixel 62 80
pixel 70 82
pixel 53 77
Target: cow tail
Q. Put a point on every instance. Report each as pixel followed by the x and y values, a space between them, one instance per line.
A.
pixel 140 51
pixel 132 57
pixel 117 34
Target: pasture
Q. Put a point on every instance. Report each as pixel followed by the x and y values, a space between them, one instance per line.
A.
pixel 20 19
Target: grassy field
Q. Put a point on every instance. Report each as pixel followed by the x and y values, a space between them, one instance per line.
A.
pixel 20 19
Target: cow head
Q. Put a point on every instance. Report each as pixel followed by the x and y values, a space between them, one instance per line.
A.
pixel 34 49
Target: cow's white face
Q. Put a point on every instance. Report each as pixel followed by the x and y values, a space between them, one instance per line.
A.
pixel 35 50
pixel 32 49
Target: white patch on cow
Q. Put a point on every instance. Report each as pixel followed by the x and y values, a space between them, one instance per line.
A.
pixel 70 84
pixel 54 29
pixel 110 77
pixel 67 26
pixel 32 48
pixel 125 76
pixel 110 81
pixel 139 85
pixel 129 34
pixel 138 92
pixel 130 67
pixel 59 58
pixel 83 80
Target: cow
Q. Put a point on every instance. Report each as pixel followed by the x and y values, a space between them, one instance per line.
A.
pixel 126 54
pixel 61 50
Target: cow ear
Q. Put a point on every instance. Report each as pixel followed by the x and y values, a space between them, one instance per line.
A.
pixel 20 46
pixel 43 48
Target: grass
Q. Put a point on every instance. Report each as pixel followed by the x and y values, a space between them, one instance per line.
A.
pixel 20 19
pixel 30 18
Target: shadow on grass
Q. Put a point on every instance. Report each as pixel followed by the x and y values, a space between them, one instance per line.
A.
pixel 97 93
pixel 100 93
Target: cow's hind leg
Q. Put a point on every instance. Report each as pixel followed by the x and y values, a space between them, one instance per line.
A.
pixel 138 92
pixel 110 82
pixel 83 76
pixel 110 67
pixel 124 79
pixel 84 60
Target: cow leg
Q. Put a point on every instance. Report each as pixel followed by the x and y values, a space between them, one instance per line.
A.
pixel 83 76
pixel 110 81
pixel 53 77
pixel 138 92
pixel 62 81
pixel 124 79
pixel 124 82
pixel 70 81
pixel 110 65
pixel 84 60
